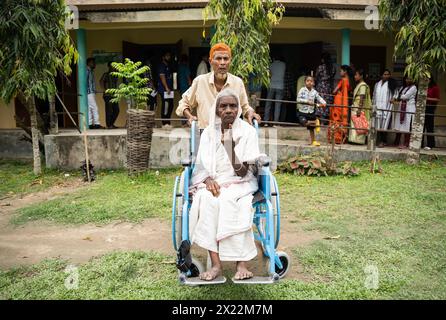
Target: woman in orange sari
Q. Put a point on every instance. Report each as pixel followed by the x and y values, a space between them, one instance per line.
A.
pixel 339 114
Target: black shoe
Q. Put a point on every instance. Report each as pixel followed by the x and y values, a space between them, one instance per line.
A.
pixel 184 258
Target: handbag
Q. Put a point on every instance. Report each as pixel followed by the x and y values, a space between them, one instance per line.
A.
pixel 360 123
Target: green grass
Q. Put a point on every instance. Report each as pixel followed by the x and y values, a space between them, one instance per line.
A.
pixel 17 177
pixel 137 275
pixel 394 222
pixel 114 196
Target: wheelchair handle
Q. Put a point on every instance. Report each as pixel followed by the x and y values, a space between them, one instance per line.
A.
pixel 193 128
pixel 255 123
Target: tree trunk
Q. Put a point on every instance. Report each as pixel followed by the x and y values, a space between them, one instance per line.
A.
pixel 35 136
pixel 40 123
pixel 416 139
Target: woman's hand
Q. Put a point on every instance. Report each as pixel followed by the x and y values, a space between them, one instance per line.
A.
pixel 212 186
pixel 227 138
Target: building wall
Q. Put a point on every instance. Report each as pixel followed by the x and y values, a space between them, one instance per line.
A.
pixel 7 120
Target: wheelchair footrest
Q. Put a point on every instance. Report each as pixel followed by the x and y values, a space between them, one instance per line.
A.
pixel 196 281
pixel 255 280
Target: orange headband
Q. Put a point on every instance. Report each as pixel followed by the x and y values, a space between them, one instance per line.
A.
pixel 219 47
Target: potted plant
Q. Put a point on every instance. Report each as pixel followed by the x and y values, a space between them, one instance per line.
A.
pixel 140 121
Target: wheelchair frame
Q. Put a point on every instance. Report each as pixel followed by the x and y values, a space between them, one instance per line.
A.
pixel 266 216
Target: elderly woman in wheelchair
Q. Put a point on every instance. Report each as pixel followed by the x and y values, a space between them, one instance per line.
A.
pixel 225 189
pixel 221 212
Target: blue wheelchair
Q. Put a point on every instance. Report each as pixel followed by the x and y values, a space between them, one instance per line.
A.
pixel 266 204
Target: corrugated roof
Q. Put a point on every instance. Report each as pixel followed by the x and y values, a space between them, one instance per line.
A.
pixel 136 5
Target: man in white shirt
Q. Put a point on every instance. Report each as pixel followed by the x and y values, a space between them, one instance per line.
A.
pixel 276 88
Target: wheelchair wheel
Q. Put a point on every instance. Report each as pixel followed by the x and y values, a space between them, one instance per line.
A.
pixel 179 211
pixel 275 203
pixel 286 263
pixel 196 268
pixel 276 215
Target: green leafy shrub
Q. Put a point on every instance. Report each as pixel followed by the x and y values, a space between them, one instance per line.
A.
pixel 312 165
pixel 134 88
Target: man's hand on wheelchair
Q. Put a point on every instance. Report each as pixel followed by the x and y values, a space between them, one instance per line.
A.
pixel 212 186
pixel 190 117
pixel 250 115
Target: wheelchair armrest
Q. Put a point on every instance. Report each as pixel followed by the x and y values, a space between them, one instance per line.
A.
pixel 263 161
pixel 186 162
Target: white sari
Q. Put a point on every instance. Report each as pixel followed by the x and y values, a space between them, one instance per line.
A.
pixel 223 224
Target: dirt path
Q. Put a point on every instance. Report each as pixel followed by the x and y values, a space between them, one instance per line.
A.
pixel 35 241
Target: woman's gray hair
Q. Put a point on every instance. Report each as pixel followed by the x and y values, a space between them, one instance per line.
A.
pixel 227 93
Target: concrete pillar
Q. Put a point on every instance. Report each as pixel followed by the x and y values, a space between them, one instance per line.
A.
pixel 346 46
pixel 82 77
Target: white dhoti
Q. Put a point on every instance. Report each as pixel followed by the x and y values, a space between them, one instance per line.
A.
pixel 224 224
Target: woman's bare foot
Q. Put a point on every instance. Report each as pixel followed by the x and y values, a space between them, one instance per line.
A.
pixel 242 271
pixel 211 274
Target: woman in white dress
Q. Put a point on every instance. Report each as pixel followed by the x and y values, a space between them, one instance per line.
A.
pixel 223 184
pixel 383 94
pixel 402 120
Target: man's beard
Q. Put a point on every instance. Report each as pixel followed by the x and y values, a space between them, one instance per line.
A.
pixel 221 76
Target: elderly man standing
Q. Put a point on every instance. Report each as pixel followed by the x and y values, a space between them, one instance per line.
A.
pixel 223 184
pixel 201 95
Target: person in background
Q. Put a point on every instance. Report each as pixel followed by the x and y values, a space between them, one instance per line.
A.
pixel 324 75
pixel 184 79
pixel 362 102
pixel 151 102
pixel 255 89
pixel 165 88
pixel 382 97
pixel 307 108
pixel 433 97
pixel 406 107
pixel 339 112
pixel 111 108
pixel 93 113
pixel 276 88
pixel 203 65
pixel 301 80
pixel 288 94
